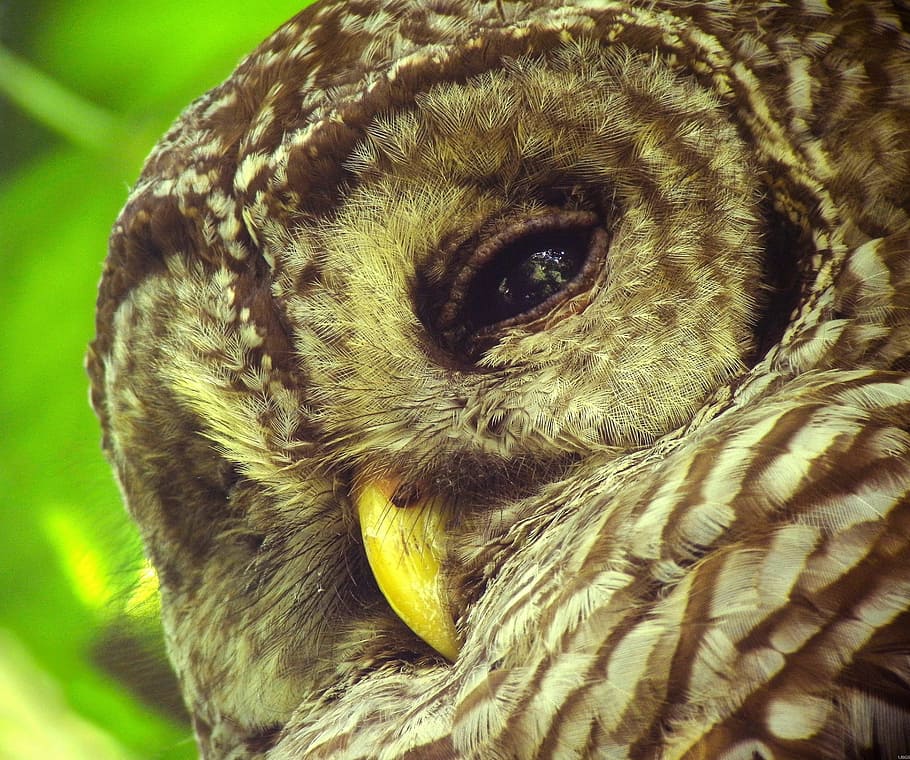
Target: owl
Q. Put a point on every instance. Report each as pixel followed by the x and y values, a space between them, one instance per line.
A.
pixel 528 380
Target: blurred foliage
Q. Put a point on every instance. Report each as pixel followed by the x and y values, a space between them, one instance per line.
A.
pixel 85 89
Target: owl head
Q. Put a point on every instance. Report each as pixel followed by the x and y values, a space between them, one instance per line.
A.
pixel 408 325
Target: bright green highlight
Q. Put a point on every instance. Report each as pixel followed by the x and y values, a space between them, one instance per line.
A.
pixel 89 576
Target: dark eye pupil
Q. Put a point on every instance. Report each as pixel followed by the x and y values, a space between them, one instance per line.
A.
pixel 534 279
pixel 525 274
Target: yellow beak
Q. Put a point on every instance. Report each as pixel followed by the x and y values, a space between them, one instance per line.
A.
pixel 404 546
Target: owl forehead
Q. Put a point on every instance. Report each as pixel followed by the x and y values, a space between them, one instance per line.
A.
pixel 296 157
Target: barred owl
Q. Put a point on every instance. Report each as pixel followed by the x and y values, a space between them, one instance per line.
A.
pixel 517 380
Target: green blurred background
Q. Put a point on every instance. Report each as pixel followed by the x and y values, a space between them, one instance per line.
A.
pixel 85 89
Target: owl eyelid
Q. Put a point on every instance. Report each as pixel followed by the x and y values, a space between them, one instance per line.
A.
pixel 490 248
pixel 453 322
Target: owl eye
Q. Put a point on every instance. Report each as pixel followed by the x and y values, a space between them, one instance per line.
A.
pixel 520 275
pixel 526 274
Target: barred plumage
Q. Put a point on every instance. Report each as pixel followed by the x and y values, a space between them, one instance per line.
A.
pixel 676 477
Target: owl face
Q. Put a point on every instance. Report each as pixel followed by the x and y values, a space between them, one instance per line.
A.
pixel 517 273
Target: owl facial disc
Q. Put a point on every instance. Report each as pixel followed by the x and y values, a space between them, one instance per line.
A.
pixel 404 546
